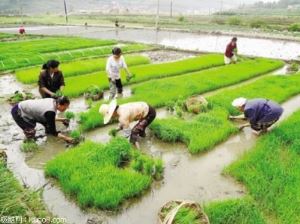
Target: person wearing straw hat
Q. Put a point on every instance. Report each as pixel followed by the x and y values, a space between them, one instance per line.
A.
pixel 261 113
pixel 127 113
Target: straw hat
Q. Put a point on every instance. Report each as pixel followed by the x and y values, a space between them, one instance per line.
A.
pixel 107 110
pixel 239 102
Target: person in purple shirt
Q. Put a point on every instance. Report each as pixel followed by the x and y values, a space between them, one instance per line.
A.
pixel 261 113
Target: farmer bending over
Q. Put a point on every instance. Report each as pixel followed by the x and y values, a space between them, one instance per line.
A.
pixel 231 52
pixel 27 113
pixel 261 113
pixel 127 113
pixel 113 66
pixel 51 79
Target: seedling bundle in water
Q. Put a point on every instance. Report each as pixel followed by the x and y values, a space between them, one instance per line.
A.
pixel 29 146
pixel 193 105
pixel 94 93
pixel 20 96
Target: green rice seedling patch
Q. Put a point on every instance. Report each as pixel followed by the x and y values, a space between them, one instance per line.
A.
pixel 143 73
pixel 270 171
pixel 234 211
pixel 103 176
pixel 159 93
pixel 208 129
pixel 17 201
pixel 79 67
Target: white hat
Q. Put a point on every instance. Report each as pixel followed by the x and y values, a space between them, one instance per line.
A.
pixel 239 102
pixel 107 110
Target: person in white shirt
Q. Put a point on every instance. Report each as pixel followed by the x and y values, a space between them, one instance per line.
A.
pixel 113 66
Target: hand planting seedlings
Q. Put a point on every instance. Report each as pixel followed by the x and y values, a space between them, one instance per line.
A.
pixel 127 113
pixel 261 113
pixel 27 113
pixel 77 137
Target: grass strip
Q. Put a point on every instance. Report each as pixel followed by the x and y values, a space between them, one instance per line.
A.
pixel 208 129
pixel 143 73
pixel 104 176
pixel 270 171
pixel 79 67
pixel 159 93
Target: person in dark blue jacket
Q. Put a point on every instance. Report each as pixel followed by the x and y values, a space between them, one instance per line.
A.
pixel 261 113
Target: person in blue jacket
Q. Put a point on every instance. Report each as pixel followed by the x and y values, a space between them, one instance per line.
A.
pixel 261 113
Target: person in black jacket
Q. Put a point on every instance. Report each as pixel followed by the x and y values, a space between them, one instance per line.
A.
pixel 51 79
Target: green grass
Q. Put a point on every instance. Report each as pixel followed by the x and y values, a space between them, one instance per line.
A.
pixel 31 52
pixel 103 176
pixel 208 129
pixel 143 73
pixel 159 93
pixel 78 67
pixel 17 201
pixel 234 211
pixel 270 171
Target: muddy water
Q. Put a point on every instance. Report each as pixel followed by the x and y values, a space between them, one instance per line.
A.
pixel 188 41
pixel 186 177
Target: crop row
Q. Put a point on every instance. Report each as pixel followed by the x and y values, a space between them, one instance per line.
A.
pixel 104 176
pixel 208 129
pixel 270 171
pixel 65 56
pixel 160 92
pixel 142 73
pixel 79 67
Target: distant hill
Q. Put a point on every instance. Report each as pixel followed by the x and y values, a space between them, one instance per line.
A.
pixel 121 6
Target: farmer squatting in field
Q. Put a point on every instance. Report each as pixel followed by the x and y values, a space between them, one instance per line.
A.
pixel 230 55
pixel 51 79
pixel 29 112
pixel 113 66
pixel 261 113
pixel 127 113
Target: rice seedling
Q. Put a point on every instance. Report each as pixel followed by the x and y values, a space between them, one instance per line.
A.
pixel 234 211
pixel 29 146
pixel 69 115
pixel 17 201
pixel 159 93
pixel 208 129
pixel 17 54
pixel 142 73
pixel 102 175
pixel 37 51
pixel 270 171
pixel 78 67
pixel 19 96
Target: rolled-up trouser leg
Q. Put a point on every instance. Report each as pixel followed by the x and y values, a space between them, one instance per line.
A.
pixel 112 89
pixel 28 128
pixel 140 127
pixel 119 86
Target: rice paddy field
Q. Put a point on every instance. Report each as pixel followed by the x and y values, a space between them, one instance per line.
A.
pixel 106 175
